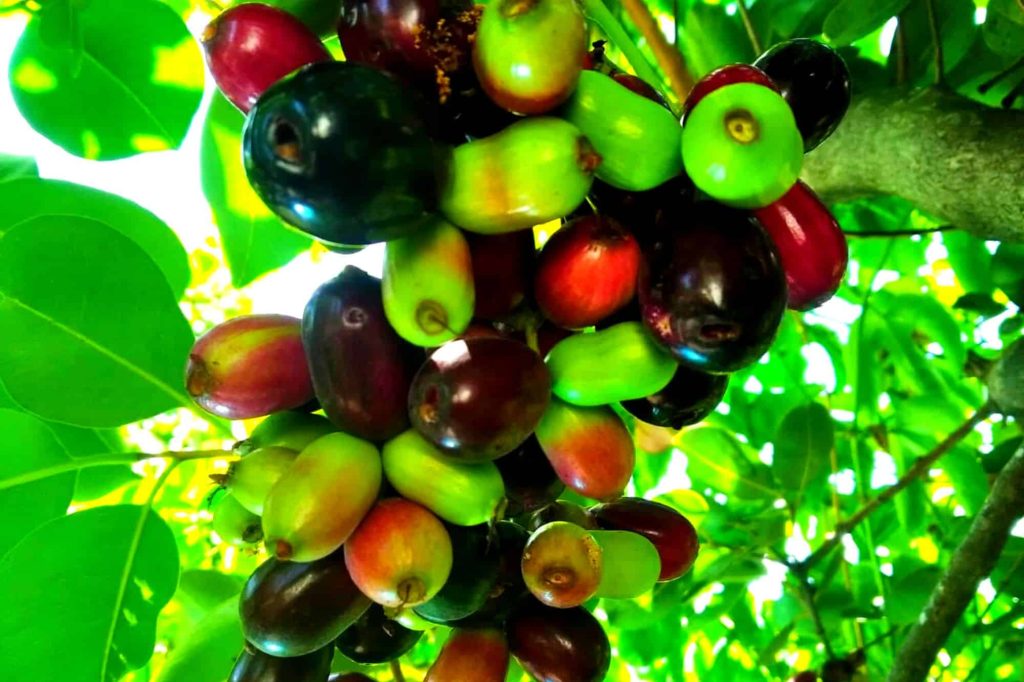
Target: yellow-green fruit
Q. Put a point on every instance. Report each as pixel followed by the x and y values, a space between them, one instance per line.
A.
pixel 250 479
pixel 234 524
pixel 428 285
pixel 630 564
pixel 290 429
pixel 317 504
pixel 534 171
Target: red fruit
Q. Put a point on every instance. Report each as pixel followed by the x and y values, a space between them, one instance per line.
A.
pixel 586 271
pixel 640 87
pixel 252 46
pixel 502 268
pixel 726 75
pixel 477 655
pixel 811 245
pixel 670 532
pixel 248 367
pixel 400 555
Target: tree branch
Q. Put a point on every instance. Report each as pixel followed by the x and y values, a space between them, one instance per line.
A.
pixel 973 561
pixel 952 157
pixel 670 59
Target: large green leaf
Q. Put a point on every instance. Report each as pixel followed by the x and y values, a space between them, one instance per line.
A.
pixel 912 584
pixel 802 447
pixel 12 167
pixel 28 198
pixel 853 19
pixel 208 654
pixel 709 37
pixel 777 20
pixel 132 85
pixel 27 445
pixel 255 241
pixel 717 459
pixel 1004 27
pixel 956 27
pixel 968 477
pixel 100 339
pixel 81 594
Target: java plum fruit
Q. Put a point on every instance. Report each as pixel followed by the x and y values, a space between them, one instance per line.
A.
pixel 630 564
pixel 558 645
pixel 478 399
pixel 255 666
pixel 502 271
pixel 234 524
pixel 249 366
pixel 508 588
pixel 530 482
pixel 375 638
pixel 291 429
pixel 672 534
pixel 712 289
pixel 559 510
pixel 291 609
pixel 480 655
pixel 722 76
pixel 688 398
pixel 250 479
pixel 475 565
pixel 562 564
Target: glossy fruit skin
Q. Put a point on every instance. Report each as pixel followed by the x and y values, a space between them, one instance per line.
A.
pixel 317 504
pixel 291 429
pixel 252 46
pixel 463 493
pixel 638 140
pixel 249 366
pixel 596 60
pixel 319 15
pixel 814 80
pixel 741 145
pixel 713 249
pixel 508 589
pixel 255 666
pixel 235 524
pixel 349 677
pixel 586 271
pixel 688 398
pixel 579 366
pixel 530 482
pixel 672 534
pixel 400 555
pixel 562 565
pixel 478 399
pixel 475 564
pixel 641 212
pixel 250 479
pixel 560 510
pixel 502 271
pixel 811 245
pixel 722 76
pixel 589 448
pixel 341 152
pixel 291 609
pixel 428 284
pixel 558 645
pixel 534 171
pixel 478 655
pixel 375 638
pixel 630 564
pixel 528 54
pixel 361 368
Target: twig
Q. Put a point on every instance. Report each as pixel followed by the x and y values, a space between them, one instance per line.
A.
pixel 994 80
pixel 933 25
pixel 919 468
pixel 973 560
pixel 755 42
pixel 599 14
pixel 396 671
pixel 670 59
pixel 902 59
pixel 807 590
pixel 898 233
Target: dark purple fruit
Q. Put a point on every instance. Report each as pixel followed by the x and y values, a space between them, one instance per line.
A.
pixel 508 588
pixel 712 289
pixel 670 532
pixel 340 151
pixel 291 609
pixel 560 510
pixel 361 368
pixel 478 399
pixel 349 677
pixel 814 80
pixel 375 638
pixel 530 482
pixel 475 565
pixel 255 666
pixel 640 212
pixel 690 397
pixel 502 270
pixel 558 645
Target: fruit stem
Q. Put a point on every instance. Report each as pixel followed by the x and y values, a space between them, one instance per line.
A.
pixel 396 671
pixel 282 549
pixel 755 42
pixel 668 57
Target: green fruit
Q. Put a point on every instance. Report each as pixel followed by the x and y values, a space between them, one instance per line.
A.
pixel 317 504
pixel 292 430
pixel 465 494
pixel 638 140
pixel 235 524
pixel 534 171
pixel 618 363
pixel 741 145
pixel 428 285
pixel 250 479
pixel 630 564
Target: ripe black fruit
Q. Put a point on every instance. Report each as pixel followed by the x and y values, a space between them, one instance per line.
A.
pixel 255 666
pixel 558 645
pixel 475 564
pixel 375 638
pixel 690 397
pixel 530 481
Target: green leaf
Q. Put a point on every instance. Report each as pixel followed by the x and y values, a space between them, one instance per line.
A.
pixel 13 167
pixel 717 459
pixel 802 447
pixel 1008 271
pixel 956 27
pixel 969 478
pixel 710 38
pixel 133 86
pixel 912 584
pixel 81 594
pixel 971 261
pixel 27 445
pixel 205 589
pixel 994 461
pixel 778 20
pixel 982 304
pixel 101 341
pixel 28 198
pixel 210 650
pixel 255 241
pixel 1004 27
pixel 853 19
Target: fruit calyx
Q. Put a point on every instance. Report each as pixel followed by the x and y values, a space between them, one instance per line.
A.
pixel 742 126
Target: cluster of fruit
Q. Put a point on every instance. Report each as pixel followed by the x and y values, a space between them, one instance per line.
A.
pixel 480 377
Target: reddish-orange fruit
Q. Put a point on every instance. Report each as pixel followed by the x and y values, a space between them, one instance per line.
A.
pixel 471 655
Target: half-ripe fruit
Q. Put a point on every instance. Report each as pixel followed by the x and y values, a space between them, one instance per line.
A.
pixel 562 564
pixel 234 524
pixel 250 479
pixel 471 655
pixel 672 534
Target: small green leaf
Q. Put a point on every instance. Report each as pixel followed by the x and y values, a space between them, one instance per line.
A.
pixel 969 478
pixel 1004 27
pixel 1008 271
pixel 910 591
pixel 27 445
pixel 206 589
pixel 255 241
pixel 709 38
pixel 101 341
pixel 956 27
pixel 717 459
pixel 778 20
pixel 994 461
pixel 208 653
pixel 802 447
pixel 982 304
pixel 99 578
pixel 971 261
pixel 853 19
pixel 132 86
pixel 13 167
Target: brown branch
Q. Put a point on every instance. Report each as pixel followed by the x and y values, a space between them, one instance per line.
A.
pixel 972 562
pixel 396 671
pixel 897 233
pixel 933 25
pixel 669 58
pixel 902 59
pixel 919 468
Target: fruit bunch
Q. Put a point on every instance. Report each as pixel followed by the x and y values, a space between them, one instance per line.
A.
pixel 464 392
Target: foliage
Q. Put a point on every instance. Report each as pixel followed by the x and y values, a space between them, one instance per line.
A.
pixel 92 289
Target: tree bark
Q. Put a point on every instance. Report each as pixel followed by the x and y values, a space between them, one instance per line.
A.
pixel 952 157
pixel 973 561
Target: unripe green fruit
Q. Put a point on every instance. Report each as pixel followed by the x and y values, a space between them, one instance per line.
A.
pixel 235 524
pixel 630 564
pixel 250 479
pixel 293 430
